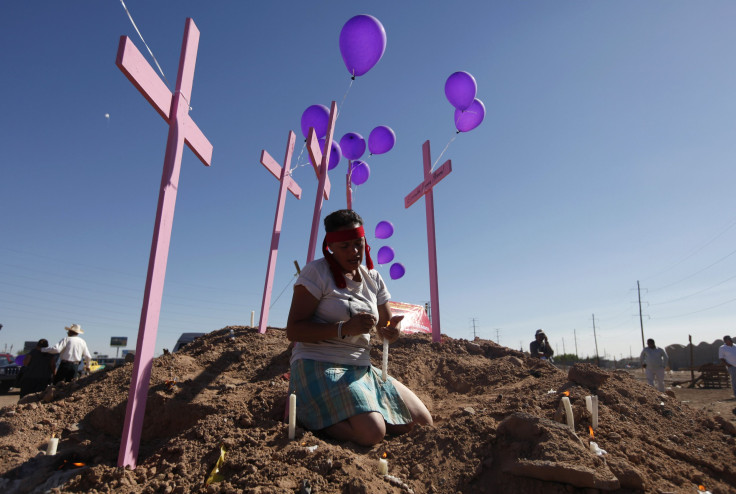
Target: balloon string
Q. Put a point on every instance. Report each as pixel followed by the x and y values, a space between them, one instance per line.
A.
pixel 304 146
pixel 339 108
pixel 144 42
pixel 443 152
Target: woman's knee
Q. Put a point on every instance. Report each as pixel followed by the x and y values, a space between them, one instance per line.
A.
pixel 369 429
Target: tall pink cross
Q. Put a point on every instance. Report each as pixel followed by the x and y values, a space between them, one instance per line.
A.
pixel 425 189
pixel 348 188
pixel 323 189
pixel 174 108
pixel 286 183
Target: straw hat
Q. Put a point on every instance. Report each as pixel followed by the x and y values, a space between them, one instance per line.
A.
pixel 74 328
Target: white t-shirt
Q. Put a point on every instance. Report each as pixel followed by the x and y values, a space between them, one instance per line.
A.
pixel 340 304
pixel 727 353
pixel 70 349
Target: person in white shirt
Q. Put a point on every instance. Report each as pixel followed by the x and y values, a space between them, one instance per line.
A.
pixel 727 354
pixel 654 360
pixel 72 350
pixel 337 304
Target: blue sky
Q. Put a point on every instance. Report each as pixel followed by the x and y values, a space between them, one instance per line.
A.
pixel 606 156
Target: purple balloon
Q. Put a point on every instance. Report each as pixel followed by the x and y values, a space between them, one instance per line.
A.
pixel 460 90
pixel 384 229
pixel 19 359
pixel 362 43
pixel 381 140
pixel 317 116
pixel 359 172
pixel 352 145
pixel 397 270
pixel 385 255
pixel 335 153
pixel 469 119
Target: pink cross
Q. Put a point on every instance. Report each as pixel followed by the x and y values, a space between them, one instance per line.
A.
pixel 174 108
pixel 348 188
pixel 323 189
pixel 286 182
pixel 425 189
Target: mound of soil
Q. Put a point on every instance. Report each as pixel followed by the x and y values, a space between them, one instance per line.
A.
pixel 499 427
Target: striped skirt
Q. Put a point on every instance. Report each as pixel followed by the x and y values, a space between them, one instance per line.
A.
pixel 328 393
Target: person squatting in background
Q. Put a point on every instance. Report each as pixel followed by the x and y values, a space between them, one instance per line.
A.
pixel 540 347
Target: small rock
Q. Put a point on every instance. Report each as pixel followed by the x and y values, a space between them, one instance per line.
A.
pixel 469 410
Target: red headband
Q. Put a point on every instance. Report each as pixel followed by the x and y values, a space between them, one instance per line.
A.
pixel 342 236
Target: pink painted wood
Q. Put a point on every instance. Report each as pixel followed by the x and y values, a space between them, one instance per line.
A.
pixel 425 189
pixel 174 108
pixel 323 188
pixel 348 188
pixel 283 174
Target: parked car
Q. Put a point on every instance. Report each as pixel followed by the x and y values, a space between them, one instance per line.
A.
pixel 8 374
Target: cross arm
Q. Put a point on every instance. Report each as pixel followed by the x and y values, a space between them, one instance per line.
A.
pixel 315 153
pixel 135 67
pixel 275 169
pixel 428 183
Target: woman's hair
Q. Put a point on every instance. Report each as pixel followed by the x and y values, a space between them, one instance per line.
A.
pixel 43 343
pixel 341 218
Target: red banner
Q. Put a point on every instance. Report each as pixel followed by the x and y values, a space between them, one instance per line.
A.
pixel 415 318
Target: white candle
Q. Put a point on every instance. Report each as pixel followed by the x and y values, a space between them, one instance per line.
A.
pixel 568 413
pixel 382 467
pixel 252 318
pixel 384 367
pixel 292 416
pixel 589 404
pixel 53 444
pixel 594 404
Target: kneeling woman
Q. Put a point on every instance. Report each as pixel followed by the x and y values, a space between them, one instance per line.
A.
pixel 337 302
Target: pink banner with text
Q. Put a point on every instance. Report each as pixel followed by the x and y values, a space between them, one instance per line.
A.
pixel 415 318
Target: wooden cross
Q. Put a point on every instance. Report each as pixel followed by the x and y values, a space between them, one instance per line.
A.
pixel 174 108
pixel 286 183
pixel 425 189
pixel 348 188
pixel 323 189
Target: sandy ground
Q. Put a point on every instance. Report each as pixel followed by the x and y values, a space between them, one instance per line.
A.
pixel 500 426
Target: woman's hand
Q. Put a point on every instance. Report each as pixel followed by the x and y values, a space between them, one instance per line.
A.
pixel 360 323
pixel 393 330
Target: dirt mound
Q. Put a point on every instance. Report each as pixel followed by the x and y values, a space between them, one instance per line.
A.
pixel 499 427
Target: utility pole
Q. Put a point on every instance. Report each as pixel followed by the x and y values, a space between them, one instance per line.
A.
pixel 595 338
pixel 641 321
pixel 692 371
pixel 474 335
pixel 563 347
pixel 498 336
pixel 575 334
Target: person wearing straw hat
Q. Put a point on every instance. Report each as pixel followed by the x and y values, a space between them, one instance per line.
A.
pixel 72 350
pixel 337 303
